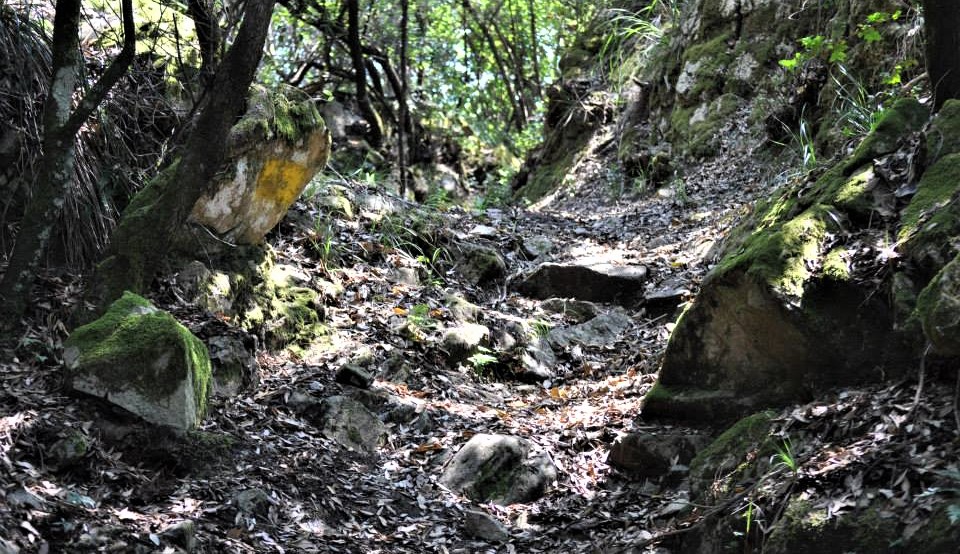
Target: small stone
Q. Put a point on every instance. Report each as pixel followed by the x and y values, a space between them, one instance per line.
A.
pixel 654 455
pixel 484 231
pixel 69 450
pixel 460 309
pixel 594 283
pixel 348 422
pixel 253 502
pixel 183 534
pixel 484 526
pixel 354 376
pixel 405 276
pixel 536 247
pixel 463 341
pixel 578 310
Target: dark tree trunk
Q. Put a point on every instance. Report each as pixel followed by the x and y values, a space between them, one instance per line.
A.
pixel 142 239
pixel 360 73
pixel 61 123
pixel 208 35
pixel 402 96
pixel 942 27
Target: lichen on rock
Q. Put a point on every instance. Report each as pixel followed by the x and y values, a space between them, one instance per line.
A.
pixel 275 150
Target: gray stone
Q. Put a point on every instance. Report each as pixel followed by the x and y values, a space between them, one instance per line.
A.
pixel 499 469
pixel 603 330
pixel 484 526
pixel 655 455
pixel 183 534
pixel 460 309
pixel 253 502
pixel 537 247
pixel 480 264
pixel 484 231
pixel 355 376
pixel 348 422
pixel 404 276
pixel 235 364
pixel 577 310
pixel 141 359
pixel 68 450
pixel 594 283
pixel 463 341
pixel 538 362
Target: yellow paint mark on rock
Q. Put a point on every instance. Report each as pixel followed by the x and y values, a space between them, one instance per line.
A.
pixel 282 181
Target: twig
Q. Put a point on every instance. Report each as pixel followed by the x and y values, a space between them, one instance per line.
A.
pixel 956 393
pixel 923 364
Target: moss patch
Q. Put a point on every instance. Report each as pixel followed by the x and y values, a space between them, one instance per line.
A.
pixel 730 455
pixel 124 347
pixel 932 214
pixel 906 116
pixel 943 137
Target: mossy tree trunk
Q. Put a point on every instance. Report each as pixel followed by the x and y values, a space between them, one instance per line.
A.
pixel 942 26
pixel 143 237
pixel 61 123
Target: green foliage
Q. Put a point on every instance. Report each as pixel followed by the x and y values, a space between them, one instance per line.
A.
pixel 785 456
pixel 816 47
pixel 482 360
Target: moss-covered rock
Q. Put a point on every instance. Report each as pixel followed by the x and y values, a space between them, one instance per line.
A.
pixel 783 315
pixel 938 309
pixel 737 454
pixel 140 358
pixel 275 150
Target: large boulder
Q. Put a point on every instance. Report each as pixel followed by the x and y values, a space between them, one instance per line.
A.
pixel 275 150
pixel 141 359
pixel 793 306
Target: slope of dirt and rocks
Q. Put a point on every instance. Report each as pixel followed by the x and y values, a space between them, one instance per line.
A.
pixel 429 334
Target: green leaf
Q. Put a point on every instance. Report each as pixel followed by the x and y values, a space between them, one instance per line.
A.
pixel 953 512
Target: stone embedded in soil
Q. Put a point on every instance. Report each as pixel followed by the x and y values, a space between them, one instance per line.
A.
pixel 480 264
pixel 595 283
pixel 577 310
pixel 603 330
pixel 536 247
pixel 484 526
pixel 348 422
pixel 499 469
pixel 654 455
pixel 252 502
pixel 463 341
pixel 141 359
pixel 538 362
pixel 354 376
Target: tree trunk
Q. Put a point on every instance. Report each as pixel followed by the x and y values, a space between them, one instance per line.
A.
pixel 360 73
pixel 402 96
pixel 942 27
pixel 142 239
pixel 61 123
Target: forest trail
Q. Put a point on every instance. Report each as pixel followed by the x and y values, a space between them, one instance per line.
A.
pixel 278 484
pixel 266 476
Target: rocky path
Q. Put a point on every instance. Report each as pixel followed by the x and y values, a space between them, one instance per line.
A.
pixel 291 465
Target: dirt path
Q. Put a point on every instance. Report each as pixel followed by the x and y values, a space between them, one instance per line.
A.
pixel 276 483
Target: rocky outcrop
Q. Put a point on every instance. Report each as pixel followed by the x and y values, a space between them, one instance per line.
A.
pixel 275 150
pixel 141 359
pixel 792 308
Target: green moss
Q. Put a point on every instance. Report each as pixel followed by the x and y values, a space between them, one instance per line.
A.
pixel 287 113
pixel 809 528
pixel 657 393
pixel 938 309
pixel 853 195
pixel 547 177
pixel 125 344
pixel 835 265
pixel 783 256
pixel 933 210
pixel 943 137
pixel 712 56
pixel 735 443
pixel 906 116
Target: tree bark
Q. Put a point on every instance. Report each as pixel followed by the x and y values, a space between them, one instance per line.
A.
pixel 360 73
pixel 942 27
pixel 143 237
pixel 402 96
pixel 61 123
